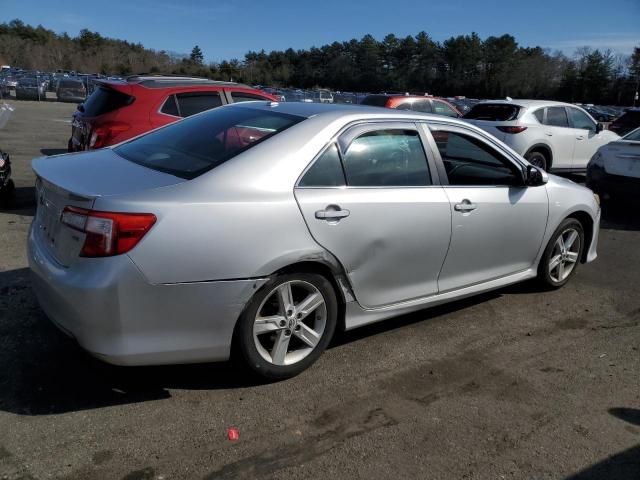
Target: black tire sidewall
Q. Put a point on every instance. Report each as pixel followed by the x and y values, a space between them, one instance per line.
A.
pixel 531 155
pixel 244 346
pixel 543 271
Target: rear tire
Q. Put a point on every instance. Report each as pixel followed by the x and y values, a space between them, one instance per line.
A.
pixel 562 255
pixel 537 159
pixel 287 325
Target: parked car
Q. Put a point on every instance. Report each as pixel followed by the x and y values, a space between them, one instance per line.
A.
pixel 10 82
pixel 614 170
pixel 30 88
pixel 71 90
pixel 600 115
pixel 550 135
pixel 119 110
pixel 628 121
pixel 322 96
pixel 226 232
pixel 417 103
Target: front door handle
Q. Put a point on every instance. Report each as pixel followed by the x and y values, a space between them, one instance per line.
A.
pixel 465 206
pixel 332 212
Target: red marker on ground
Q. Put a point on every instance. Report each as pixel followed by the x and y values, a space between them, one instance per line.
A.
pixel 233 433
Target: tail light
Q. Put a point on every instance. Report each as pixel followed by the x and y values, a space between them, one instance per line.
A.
pixel 512 129
pixel 101 135
pixel 107 233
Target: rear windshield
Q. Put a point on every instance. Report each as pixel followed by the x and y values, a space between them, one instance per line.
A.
pixel 494 112
pixel 191 147
pixel 375 101
pixel 104 100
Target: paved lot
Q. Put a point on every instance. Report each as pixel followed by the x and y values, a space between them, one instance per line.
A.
pixel 517 384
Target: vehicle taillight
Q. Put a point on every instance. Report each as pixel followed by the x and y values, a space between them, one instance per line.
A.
pixel 107 233
pixel 102 135
pixel 513 129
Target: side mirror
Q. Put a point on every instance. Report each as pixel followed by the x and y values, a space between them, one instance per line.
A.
pixel 599 127
pixel 535 177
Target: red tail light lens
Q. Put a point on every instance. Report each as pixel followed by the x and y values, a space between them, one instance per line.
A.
pixel 107 233
pixel 103 134
pixel 513 129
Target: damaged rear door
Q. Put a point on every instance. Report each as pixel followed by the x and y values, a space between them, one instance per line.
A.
pixel 371 200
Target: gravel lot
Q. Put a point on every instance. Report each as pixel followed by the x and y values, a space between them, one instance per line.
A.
pixel 516 384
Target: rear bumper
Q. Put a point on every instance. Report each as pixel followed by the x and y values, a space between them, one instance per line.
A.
pixel 116 315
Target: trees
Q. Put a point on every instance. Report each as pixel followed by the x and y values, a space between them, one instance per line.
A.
pixel 462 65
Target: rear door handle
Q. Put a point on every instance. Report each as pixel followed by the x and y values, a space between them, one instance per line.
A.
pixel 465 206
pixel 332 212
pixel 580 138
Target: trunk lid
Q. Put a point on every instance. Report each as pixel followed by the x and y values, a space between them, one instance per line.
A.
pixel 78 180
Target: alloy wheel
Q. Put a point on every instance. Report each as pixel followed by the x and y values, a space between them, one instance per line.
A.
pixel 290 322
pixel 564 255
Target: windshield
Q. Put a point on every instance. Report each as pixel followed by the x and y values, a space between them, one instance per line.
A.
pixel 200 143
pixel 633 136
pixel 494 112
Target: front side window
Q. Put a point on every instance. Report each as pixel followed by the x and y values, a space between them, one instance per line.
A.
pixel 557 117
pixel 470 161
pixel 196 145
pixel 386 158
pixel 441 108
pixel 581 120
pixel 196 102
pixel 326 170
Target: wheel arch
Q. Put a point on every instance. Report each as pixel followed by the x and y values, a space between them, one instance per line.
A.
pixel 545 150
pixel 587 223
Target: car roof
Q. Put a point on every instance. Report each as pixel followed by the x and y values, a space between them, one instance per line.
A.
pixel 334 111
pixel 527 103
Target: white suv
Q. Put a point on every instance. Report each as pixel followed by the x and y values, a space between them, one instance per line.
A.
pixel 551 135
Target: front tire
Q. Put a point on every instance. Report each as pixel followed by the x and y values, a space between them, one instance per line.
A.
pixel 287 325
pixel 562 255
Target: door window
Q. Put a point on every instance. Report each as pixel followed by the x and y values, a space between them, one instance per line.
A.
pixel 387 158
pixel 557 117
pixel 422 106
pixel 326 170
pixel 196 102
pixel 441 108
pixel 581 120
pixel 470 161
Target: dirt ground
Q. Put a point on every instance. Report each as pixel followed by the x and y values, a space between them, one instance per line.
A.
pixel 516 384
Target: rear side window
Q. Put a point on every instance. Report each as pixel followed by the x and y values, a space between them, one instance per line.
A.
pixel 246 97
pixel 386 158
pixel 104 100
pixel 170 107
pixel 494 112
pixel 404 106
pixel 196 145
pixel 326 171
pixel 557 117
pixel 196 102
pixel 539 114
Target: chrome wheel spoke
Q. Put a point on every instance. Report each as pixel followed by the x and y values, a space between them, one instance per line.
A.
pixel 280 347
pixel 560 243
pixel 555 261
pixel 561 271
pixel 285 298
pixel 572 257
pixel 308 305
pixel 307 335
pixel 571 238
pixel 267 324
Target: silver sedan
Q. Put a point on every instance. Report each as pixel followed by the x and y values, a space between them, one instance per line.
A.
pixel 257 230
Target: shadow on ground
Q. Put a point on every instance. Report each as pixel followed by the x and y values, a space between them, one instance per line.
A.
pixel 23 202
pixel 621 466
pixel 53 151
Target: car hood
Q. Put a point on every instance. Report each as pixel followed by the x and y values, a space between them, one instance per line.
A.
pixel 622 158
pixel 99 173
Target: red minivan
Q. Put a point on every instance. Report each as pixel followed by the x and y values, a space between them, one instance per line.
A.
pixel 121 109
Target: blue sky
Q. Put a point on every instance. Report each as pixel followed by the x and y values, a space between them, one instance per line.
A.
pixel 229 28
